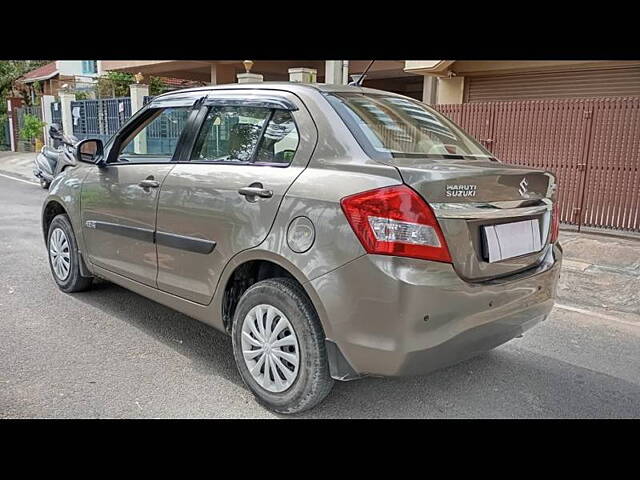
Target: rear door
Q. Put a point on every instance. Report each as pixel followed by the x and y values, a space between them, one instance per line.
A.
pixel 223 195
pixel 119 200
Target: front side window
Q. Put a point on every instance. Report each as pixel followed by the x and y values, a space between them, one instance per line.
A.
pixel 155 141
pixel 395 127
pixel 244 135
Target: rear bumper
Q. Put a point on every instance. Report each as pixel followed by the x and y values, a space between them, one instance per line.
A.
pixel 392 316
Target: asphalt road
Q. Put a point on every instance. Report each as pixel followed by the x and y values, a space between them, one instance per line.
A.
pixel 111 353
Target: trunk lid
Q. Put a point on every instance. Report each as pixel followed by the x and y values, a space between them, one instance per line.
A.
pixel 467 195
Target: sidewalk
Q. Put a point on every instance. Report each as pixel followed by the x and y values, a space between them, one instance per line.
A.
pixel 601 273
pixel 18 164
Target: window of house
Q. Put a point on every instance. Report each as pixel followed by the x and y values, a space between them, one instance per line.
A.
pixel 89 66
pixel 238 135
pixel 155 141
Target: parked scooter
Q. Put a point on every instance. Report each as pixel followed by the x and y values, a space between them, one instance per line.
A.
pixel 52 161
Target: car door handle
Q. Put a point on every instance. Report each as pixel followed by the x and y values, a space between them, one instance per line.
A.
pixel 256 192
pixel 147 183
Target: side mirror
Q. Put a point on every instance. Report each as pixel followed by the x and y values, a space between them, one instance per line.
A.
pixel 89 150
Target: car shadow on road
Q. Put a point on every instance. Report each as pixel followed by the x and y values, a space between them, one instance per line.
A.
pixel 208 349
pixel 509 382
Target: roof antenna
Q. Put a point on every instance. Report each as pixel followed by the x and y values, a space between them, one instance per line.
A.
pixel 358 82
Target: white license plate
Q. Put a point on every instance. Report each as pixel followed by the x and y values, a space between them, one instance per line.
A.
pixel 510 240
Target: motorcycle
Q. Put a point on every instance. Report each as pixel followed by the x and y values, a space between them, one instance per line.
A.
pixel 52 161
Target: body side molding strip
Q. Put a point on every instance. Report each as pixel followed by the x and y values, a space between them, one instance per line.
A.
pixel 191 244
pixel 144 234
pixel 181 242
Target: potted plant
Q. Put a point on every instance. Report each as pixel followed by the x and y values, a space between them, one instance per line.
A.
pixel 32 130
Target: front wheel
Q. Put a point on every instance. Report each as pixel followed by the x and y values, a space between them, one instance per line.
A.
pixel 278 345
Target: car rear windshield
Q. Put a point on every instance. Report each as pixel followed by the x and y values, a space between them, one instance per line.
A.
pixel 388 126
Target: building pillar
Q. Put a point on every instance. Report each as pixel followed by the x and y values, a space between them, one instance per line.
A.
pixel 333 72
pixel 137 92
pixel 12 106
pixel 450 90
pixel 345 72
pixel 65 105
pixel 429 89
pixel 45 103
pixel 214 74
pixel 249 77
pixel 303 75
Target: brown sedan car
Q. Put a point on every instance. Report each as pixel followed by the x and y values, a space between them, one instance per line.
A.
pixel 334 232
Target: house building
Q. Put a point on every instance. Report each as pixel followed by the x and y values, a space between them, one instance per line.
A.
pixel 50 78
pixel 468 81
pixel 384 74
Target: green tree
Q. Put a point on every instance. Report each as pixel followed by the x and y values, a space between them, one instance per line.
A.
pixel 116 84
pixel 156 86
pixel 10 71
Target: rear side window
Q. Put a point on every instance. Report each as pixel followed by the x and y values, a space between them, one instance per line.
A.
pixel 246 135
pixel 280 140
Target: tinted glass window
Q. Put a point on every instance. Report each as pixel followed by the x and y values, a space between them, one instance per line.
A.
pixel 230 134
pixel 156 141
pixel 280 140
pixel 390 126
pixel 239 135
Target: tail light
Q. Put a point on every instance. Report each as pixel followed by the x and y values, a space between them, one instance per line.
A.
pixel 396 221
pixel 555 223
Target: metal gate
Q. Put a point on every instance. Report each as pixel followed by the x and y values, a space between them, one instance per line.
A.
pixel 99 118
pixel 5 134
pixel 592 145
pixel 36 111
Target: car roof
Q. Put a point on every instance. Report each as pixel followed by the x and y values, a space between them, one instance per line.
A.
pixel 292 87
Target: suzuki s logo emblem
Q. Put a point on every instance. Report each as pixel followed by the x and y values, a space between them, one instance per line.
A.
pixel 523 187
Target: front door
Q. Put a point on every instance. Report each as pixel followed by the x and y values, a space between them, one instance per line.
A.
pixel 119 200
pixel 223 197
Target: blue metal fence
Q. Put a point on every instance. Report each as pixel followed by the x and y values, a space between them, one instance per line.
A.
pixel 99 118
pixel 102 118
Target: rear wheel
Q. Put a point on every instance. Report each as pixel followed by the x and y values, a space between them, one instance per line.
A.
pixel 279 348
pixel 64 258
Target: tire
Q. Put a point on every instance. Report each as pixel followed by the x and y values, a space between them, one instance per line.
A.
pixel 44 184
pixel 312 382
pixel 73 281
